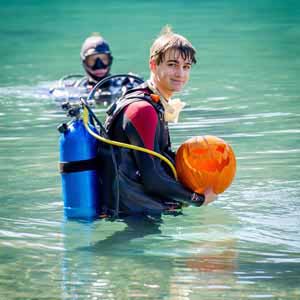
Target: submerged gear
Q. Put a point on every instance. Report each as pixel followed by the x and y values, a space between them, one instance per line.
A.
pixel 73 87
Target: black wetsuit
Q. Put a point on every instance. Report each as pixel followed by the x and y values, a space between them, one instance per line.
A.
pixel 146 183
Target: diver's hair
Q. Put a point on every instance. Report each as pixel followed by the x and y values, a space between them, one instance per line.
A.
pixel 170 40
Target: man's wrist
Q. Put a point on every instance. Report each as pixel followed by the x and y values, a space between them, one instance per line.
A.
pixel 197 199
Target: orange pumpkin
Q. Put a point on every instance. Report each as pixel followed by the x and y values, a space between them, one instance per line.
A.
pixel 204 162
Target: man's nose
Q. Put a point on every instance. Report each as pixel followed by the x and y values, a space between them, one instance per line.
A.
pixel 179 71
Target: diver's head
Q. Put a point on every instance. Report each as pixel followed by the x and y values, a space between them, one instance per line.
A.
pixel 96 57
pixel 171 59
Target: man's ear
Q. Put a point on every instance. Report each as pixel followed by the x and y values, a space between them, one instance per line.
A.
pixel 152 65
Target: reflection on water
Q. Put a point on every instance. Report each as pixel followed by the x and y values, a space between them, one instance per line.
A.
pixel 152 263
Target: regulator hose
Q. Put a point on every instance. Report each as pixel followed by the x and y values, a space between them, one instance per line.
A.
pixel 85 118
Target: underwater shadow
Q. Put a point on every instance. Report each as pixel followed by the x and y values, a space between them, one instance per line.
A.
pixel 136 227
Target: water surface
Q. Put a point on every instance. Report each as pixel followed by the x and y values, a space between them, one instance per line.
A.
pixel 245 89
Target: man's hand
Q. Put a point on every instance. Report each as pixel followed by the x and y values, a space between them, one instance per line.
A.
pixel 210 196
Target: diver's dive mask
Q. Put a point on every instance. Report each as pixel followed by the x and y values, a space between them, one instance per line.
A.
pixel 95 65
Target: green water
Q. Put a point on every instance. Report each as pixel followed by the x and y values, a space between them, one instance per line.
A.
pixel 245 89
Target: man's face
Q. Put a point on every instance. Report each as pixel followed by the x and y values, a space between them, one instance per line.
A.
pixel 172 73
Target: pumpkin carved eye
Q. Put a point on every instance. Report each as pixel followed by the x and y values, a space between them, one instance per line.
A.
pixel 220 148
pixel 206 162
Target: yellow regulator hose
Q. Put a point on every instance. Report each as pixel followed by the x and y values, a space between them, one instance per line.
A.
pixel 124 145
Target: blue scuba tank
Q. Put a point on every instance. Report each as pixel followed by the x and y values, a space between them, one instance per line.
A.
pixel 78 167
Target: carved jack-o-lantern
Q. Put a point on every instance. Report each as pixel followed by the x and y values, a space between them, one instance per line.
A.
pixel 206 162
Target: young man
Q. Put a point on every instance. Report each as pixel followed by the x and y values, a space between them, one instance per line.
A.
pixel 139 118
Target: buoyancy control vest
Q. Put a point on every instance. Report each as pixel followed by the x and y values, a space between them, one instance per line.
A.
pixel 141 93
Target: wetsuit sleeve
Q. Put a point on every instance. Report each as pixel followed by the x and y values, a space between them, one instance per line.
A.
pixel 141 126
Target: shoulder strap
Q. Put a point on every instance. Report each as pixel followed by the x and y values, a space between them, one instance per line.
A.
pixel 140 93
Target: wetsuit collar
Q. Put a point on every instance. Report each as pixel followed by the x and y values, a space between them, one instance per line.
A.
pixel 156 91
pixel 172 107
